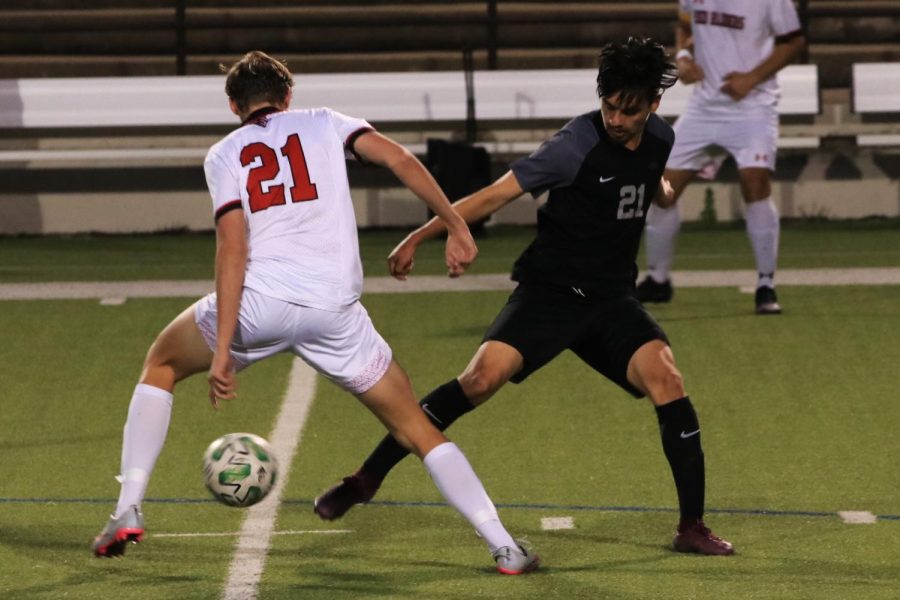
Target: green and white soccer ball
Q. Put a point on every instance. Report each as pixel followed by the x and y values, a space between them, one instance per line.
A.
pixel 240 469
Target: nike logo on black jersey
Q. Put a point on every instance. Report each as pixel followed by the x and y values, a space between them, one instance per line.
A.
pixel 606 179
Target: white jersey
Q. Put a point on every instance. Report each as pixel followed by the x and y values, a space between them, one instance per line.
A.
pixel 287 172
pixel 736 35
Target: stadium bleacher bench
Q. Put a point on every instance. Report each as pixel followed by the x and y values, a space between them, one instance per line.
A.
pixel 876 93
pixel 422 98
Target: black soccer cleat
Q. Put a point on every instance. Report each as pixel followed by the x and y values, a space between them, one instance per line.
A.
pixel 767 301
pixel 649 291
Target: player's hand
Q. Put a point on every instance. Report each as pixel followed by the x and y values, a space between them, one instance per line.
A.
pixel 460 251
pixel 738 85
pixel 222 383
pixel 689 71
pixel 401 259
pixel 665 197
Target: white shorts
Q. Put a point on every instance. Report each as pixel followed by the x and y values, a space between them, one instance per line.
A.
pixel 343 346
pixel 701 141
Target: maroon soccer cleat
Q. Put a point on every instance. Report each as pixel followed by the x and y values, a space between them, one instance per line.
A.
pixel 693 536
pixel 337 500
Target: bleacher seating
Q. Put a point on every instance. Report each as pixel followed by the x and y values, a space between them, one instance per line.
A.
pixel 92 114
pixel 876 94
pixel 418 100
pixel 143 37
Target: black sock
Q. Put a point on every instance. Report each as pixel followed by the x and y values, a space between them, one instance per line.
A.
pixel 444 405
pixel 680 432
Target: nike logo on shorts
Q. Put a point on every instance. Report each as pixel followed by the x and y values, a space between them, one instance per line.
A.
pixel 685 436
pixel 606 179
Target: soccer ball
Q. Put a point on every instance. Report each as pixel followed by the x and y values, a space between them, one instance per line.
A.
pixel 239 469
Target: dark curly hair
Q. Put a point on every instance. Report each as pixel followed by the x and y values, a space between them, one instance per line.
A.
pixel 639 69
pixel 257 77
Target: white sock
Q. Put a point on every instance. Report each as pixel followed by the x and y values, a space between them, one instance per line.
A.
pixel 460 486
pixel 142 441
pixel 663 225
pixel 763 229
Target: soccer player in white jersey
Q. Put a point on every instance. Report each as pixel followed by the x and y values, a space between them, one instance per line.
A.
pixel 731 50
pixel 288 279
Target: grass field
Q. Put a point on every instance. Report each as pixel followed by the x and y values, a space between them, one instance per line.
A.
pixel 799 417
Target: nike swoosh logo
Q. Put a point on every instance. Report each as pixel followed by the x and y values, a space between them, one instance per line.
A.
pixel 605 179
pixel 431 414
pixel 685 436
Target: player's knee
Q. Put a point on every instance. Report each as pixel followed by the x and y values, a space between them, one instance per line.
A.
pixel 158 368
pixel 480 384
pixel 665 385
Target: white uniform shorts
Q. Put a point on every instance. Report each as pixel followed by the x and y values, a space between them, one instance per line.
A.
pixel 343 346
pixel 701 141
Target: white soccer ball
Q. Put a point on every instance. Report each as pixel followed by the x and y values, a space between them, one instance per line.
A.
pixel 239 469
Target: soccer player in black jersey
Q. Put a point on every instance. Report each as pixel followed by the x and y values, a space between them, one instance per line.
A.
pixel 576 279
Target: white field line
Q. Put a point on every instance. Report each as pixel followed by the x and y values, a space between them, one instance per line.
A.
pixel 857 517
pixel 256 532
pixel 74 290
pixel 553 523
pixel 234 533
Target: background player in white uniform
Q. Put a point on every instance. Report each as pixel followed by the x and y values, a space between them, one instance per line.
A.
pixel 738 47
pixel 288 278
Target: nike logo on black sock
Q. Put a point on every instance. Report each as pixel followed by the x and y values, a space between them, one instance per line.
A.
pixel 431 414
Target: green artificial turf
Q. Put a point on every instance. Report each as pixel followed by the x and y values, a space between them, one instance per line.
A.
pixel 798 417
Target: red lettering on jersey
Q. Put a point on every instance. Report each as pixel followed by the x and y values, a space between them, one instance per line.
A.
pixel 303 189
pixel 701 17
pixel 727 20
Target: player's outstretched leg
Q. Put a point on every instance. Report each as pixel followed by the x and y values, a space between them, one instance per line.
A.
pixel 392 400
pixel 178 352
pixel 444 405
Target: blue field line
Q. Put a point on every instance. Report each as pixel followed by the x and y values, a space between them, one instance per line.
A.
pixel 762 512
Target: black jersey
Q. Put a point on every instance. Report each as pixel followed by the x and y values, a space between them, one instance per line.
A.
pixel 589 230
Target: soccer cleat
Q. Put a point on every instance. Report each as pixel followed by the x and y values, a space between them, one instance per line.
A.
pixel 515 561
pixel 694 536
pixel 767 301
pixel 118 532
pixel 337 500
pixel 649 291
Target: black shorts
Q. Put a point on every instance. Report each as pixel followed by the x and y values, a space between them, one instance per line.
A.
pixel 541 321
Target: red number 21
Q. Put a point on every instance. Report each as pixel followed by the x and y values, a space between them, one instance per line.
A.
pixel 303 189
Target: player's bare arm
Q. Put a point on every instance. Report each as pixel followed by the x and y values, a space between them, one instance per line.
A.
pixel 231 263
pixel 688 70
pixel 472 208
pixel 787 48
pixel 461 249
